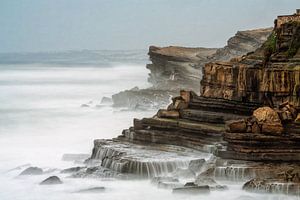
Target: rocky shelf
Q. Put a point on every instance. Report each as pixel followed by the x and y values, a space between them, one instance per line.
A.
pixel 247 115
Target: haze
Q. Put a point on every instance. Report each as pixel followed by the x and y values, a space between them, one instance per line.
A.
pixel 58 25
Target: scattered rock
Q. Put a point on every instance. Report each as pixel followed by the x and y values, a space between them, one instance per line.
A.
pixel 84 105
pixel 52 180
pixel 32 171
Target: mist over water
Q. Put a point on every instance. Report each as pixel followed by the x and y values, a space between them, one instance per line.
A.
pixel 41 119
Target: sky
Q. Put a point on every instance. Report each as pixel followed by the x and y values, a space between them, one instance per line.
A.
pixel 59 25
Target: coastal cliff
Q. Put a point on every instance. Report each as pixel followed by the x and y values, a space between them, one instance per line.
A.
pixel 173 68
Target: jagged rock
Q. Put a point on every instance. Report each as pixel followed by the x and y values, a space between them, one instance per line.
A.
pixel 92 190
pixel 192 190
pixel 32 171
pixel 52 180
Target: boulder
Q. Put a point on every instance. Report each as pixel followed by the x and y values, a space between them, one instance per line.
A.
pixel 32 171
pixel 266 115
pixel 52 180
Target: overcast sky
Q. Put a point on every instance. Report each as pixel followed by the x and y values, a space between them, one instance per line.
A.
pixel 57 25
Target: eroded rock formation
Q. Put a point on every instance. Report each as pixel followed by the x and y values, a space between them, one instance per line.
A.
pixel 247 115
pixel 174 68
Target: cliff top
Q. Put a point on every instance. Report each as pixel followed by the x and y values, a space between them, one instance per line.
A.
pixel 182 53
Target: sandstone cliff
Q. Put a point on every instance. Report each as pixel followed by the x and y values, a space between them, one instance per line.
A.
pixel 174 68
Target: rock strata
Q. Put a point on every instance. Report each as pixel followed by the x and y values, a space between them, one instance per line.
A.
pixel 174 68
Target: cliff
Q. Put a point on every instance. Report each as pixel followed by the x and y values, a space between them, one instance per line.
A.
pixel 246 118
pixel 174 68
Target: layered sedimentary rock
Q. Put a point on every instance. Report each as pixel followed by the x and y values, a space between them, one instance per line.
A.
pixel 247 114
pixel 177 67
pixel 143 160
pixel 174 68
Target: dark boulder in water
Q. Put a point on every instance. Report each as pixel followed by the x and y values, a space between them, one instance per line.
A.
pixel 32 171
pixel 52 180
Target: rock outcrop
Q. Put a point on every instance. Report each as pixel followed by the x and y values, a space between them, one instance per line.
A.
pixel 174 68
pixel 247 115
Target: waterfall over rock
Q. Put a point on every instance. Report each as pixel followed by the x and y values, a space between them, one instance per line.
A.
pixel 145 161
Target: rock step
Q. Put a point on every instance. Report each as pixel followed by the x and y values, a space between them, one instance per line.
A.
pixel 217 105
pixel 189 140
pixel 208 116
pixel 143 160
pixel 274 157
pixel 181 124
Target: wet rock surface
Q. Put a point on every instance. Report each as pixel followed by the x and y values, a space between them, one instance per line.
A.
pixel 143 160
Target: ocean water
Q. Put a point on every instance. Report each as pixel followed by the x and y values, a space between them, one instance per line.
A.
pixel 41 119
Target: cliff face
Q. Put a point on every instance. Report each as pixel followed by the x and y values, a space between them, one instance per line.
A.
pixel 270 75
pixel 175 68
